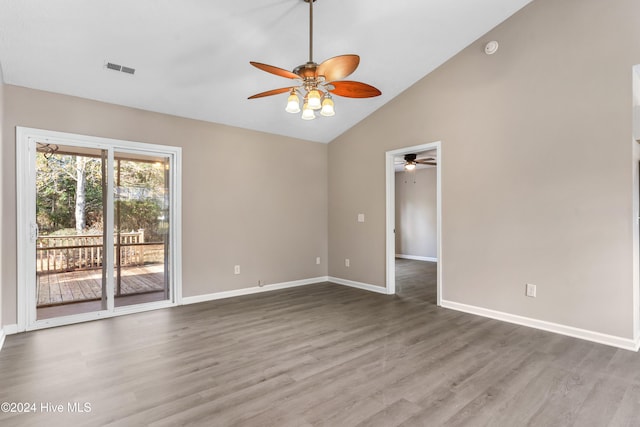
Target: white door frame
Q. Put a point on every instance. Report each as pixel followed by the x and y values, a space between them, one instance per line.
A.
pixel 635 85
pixel 27 230
pixel 391 212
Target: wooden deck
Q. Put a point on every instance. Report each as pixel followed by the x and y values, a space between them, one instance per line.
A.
pixel 84 285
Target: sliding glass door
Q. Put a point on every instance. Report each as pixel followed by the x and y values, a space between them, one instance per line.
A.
pixel 70 217
pixel 142 217
pixel 99 222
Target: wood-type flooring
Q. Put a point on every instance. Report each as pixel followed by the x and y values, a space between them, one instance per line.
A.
pixel 317 355
pixel 82 285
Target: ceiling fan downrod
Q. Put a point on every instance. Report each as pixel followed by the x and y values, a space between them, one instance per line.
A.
pixel 310 29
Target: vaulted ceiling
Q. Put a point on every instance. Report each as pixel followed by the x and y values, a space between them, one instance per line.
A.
pixel 191 57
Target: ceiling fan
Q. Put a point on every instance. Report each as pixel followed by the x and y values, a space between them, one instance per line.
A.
pixel 316 82
pixel 411 160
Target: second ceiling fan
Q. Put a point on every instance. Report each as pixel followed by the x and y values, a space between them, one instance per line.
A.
pixel 317 82
pixel 411 161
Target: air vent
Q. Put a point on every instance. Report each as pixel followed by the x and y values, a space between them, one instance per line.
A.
pixel 115 67
pixel 122 68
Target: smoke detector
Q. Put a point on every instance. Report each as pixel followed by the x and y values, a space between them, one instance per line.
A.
pixel 491 47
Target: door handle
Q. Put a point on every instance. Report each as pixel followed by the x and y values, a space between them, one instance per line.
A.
pixel 34 232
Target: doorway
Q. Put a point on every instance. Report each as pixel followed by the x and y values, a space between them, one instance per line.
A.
pixel 98 221
pixel 411 265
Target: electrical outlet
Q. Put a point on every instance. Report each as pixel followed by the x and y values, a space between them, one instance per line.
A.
pixel 531 290
pixel 318 260
pixel 236 269
pixel 347 263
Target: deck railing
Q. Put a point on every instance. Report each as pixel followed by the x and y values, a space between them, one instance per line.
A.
pixel 83 252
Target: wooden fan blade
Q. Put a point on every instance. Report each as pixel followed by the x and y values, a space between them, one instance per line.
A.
pixel 426 161
pixel 338 67
pixel 275 70
pixel 270 92
pixel 350 89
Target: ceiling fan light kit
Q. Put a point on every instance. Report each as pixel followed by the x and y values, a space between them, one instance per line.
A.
pixel 327 107
pixel 293 103
pixel 316 82
pixel 313 98
pixel 307 113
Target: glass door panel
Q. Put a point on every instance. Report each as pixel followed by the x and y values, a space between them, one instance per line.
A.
pixel 70 242
pixel 141 224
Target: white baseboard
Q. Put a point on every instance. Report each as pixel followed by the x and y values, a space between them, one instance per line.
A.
pixel 252 290
pixel 359 285
pixel 417 258
pixel 285 285
pixel 11 329
pixel 7 330
pixel 614 341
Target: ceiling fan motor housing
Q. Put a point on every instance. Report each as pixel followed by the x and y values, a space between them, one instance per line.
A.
pixel 306 71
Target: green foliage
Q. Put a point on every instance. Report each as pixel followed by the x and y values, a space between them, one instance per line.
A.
pixel 56 192
pixel 137 214
pixel 140 195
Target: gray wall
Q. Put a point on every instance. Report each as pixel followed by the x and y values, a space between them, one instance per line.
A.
pixel 249 198
pixel 537 163
pixel 416 213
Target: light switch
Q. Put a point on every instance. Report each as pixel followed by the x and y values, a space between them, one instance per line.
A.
pixel 360 217
pixel 531 290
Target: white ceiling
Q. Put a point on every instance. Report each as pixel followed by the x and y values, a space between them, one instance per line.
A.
pixel 192 56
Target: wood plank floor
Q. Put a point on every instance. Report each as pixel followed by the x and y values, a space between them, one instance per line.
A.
pixel 82 285
pixel 319 355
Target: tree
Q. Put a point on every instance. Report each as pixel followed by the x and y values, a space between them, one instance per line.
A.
pixel 80 215
pixel 68 192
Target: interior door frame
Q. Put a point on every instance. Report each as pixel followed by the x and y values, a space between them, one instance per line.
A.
pixel 27 230
pixel 391 212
